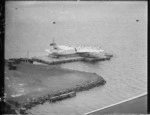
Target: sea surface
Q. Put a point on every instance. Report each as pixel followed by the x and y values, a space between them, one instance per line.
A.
pixel 120 28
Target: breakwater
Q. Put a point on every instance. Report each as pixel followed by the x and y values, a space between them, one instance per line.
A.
pixel 29 103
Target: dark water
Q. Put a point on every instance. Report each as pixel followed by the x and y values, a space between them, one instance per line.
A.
pixel 111 25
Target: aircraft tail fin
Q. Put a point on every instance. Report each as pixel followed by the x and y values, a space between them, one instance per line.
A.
pixel 53 44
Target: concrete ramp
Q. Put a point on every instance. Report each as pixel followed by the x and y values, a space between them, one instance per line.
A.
pixel 135 105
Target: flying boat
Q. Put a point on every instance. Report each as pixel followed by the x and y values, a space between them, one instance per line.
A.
pixel 60 50
pixel 68 51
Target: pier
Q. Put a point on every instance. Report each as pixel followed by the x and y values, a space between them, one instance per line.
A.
pixel 53 61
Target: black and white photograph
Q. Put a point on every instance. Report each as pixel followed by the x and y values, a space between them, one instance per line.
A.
pixel 75 57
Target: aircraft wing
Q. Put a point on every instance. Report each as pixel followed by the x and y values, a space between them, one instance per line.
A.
pixel 89 51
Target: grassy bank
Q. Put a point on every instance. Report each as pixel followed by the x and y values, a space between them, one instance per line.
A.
pixel 30 84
